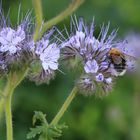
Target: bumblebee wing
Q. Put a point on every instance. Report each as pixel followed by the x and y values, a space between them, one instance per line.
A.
pixel 131 62
pixel 129 57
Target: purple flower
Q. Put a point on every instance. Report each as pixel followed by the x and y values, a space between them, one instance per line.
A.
pixel 100 77
pixel 14 43
pixel 11 39
pixel 108 80
pixel 93 54
pixel 18 50
pixel 91 66
pixel 48 54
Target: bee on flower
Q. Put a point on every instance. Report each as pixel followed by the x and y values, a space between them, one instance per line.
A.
pixel 96 56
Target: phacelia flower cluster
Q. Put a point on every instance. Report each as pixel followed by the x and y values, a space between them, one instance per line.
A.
pixel 12 43
pixel 92 53
pixel 18 50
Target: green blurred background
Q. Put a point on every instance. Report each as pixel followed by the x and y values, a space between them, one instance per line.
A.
pixel 115 117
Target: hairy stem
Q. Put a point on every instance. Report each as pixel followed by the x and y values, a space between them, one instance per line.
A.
pixel 1 107
pixel 38 13
pixel 64 106
pixel 13 80
pixel 8 112
pixel 69 10
pixel 8 116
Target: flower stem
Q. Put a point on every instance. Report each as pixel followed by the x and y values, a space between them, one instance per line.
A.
pixel 1 107
pixel 7 106
pixel 13 80
pixel 38 12
pixel 64 106
pixel 68 11
pixel 8 115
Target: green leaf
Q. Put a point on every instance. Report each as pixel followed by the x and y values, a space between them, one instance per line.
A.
pixel 34 131
pixel 39 116
pixel 55 131
pixel 44 131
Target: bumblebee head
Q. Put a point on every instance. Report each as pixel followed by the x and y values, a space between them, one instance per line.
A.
pixel 114 51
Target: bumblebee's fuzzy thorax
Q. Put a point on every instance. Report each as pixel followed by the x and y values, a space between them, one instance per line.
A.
pixel 120 69
pixel 118 61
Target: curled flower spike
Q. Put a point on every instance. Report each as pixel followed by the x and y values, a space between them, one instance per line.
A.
pixel 93 53
pixel 47 54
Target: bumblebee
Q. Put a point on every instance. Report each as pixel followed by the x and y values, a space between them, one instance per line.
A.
pixel 118 60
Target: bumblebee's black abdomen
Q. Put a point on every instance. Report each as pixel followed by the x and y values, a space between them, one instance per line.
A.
pixel 120 67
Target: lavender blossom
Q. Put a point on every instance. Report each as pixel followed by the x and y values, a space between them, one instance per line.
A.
pixel 47 54
pixel 92 52
pixel 11 39
pixel 18 50
pixel 91 66
pixel 14 44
